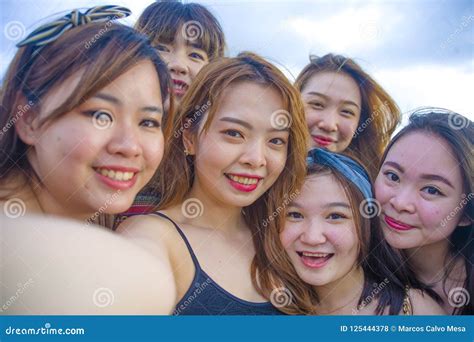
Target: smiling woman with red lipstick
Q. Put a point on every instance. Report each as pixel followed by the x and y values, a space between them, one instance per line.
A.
pixel 227 170
pixel 346 109
pixel 425 190
pixel 336 260
pixel 83 124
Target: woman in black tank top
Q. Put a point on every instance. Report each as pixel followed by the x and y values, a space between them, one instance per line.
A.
pixel 237 153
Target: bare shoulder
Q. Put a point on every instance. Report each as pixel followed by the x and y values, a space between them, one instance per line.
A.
pixel 65 267
pixel 424 304
pixel 155 233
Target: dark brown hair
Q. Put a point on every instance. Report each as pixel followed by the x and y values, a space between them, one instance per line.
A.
pixel 162 20
pixel 380 263
pixel 458 132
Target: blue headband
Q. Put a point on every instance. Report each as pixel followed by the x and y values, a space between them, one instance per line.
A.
pixel 346 166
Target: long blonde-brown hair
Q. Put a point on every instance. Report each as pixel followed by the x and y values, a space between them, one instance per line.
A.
pixel 379 116
pixel 176 171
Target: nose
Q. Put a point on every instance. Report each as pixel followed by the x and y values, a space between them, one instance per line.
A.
pixel 177 63
pixel 125 141
pixel 327 120
pixel 402 201
pixel 313 234
pixel 254 155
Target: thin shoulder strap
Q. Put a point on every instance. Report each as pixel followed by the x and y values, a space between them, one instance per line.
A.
pixel 188 245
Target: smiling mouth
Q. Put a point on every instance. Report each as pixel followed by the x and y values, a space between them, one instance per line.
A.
pixel 115 175
pixel 397 225
pixel 179 87
pixel 323 141
pixel 314 260
pixel 242 182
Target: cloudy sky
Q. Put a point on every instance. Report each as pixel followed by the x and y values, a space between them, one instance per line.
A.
pixel 420 51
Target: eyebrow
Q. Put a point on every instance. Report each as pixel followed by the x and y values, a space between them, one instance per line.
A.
pixel 249 126
pixel 395 166
pixel 425 176
pixel 327 97
pixel 437 178
pixel 337 204
pixel 328 205
pixel 117 102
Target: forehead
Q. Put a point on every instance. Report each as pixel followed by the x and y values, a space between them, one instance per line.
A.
pixel 249 101
pixel 330 81
pixel 425 153
pixel 321 189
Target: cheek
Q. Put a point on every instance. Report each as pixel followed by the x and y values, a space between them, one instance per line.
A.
pixel 289 235
pixel 195 70
pixel 153 149
pixel 311 116
pixel 65 143
pixel 348 128
pixel 382 192
pixel 276 162
pixel 344 240
pixel 434 216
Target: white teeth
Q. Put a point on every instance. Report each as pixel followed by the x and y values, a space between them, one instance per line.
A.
pixel 315 255
pixel 119 175
pixel 179 86
pixel 244 180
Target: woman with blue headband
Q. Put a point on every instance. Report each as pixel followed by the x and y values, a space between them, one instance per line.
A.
pixel 330 257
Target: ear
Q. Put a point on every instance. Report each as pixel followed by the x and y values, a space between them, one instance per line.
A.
pixel 26 122
pixel 189 141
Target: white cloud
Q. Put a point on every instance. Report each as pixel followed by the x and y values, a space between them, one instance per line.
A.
pixel 430 85
pixel 351 30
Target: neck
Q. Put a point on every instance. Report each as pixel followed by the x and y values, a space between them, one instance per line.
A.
pixel 214 214
pixel 429 261
pixel 341 296
pixel 42 202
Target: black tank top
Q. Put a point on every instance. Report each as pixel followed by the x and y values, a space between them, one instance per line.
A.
pixel 206 297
